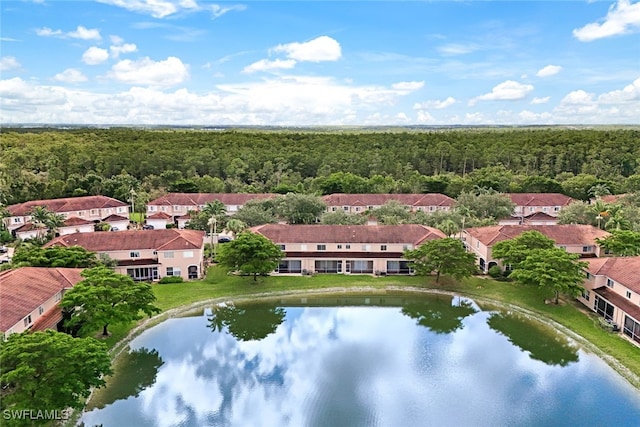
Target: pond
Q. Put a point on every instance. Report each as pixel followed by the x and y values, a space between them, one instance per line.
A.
pixel 361 360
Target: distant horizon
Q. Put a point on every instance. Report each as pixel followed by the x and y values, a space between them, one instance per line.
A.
pixel 187 63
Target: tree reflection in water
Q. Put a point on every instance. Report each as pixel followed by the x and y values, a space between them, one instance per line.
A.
pixel 247 323
pixel 539 341
pixel 135 371
pixel 441 314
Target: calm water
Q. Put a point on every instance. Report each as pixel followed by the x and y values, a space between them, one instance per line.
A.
pixel 360 361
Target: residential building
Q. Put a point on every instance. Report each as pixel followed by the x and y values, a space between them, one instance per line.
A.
pixel 612 290
pixel 578 239
pixel 179 204
pixel 529 203
pixel 536 218
pixel 145 254
pixel 70 225
pixel 369 249
pixel 29 297
pixel 90 208
pixel 360 203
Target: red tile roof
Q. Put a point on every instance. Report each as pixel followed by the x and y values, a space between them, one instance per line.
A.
pixel 68 204
pixel 48 320
pixel 167 239
pixel 624 270
pixel 539 199
pixel 114 217
pixel 415 200
pixel 159 215
pixel 201 199
pixel 568 234
pixel 24 289
pixel 619 301
pixel 74 220
pixel 407 233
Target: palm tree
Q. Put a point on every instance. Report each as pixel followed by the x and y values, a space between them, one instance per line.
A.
pixel 616 219
pixel 235 226
pixel 40 216
pixel 448 227
pixel 599 190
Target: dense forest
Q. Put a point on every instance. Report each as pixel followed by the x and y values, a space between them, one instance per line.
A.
pixel 50 163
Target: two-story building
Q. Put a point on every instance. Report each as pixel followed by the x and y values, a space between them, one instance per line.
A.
pixel 88 208
pixel 530 203
pixel 368 249
pixel 574 238
pixel 145 254
pixel 180 204
pixel 29 297
pixel 360 203
pixel 612 289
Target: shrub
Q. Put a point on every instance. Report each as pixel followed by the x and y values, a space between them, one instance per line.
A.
pixel 171 279
pixel 495 272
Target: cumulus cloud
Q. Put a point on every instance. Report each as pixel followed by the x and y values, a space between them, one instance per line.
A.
pixel 323 48
pixel 506 91
pixel 536 100
pixel 116 50
pixel 164 8
pixel 70 75
pixel 424 117
pixel 407 86
pixel 81 33
pixel 95 55
pixel 145 72
pixel 623 17
pixel 630 93
pixel 9 63
pixel 548 71
pixel 435 104
pixel 267 65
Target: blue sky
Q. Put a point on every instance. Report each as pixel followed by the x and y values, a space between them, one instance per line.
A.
pixel 304 63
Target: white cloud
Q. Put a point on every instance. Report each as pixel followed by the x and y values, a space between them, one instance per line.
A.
pixel 145 71
pixel 457 49
pixel 116 50
pixel 81 33
pixel 95 55
pixel 9 63
pixel 506 91
pixel 577 97
pixel 536 100
pixel 424 117
pixel 549 70
pixel 407 86
pixel 267 65
pixel 630 93
pixel 70 75
pixel 623 17
pixel 435 103
pixel 164 8
pixel 323 48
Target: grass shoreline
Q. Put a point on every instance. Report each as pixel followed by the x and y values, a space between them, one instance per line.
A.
pixel 569 317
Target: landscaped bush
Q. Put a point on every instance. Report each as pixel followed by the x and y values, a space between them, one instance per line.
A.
pixel 171 279
pixel 495 272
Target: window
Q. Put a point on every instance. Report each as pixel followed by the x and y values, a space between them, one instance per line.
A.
pixel 282 247
pixel 339 246
pixel 610 283
pixel 587 248
pixel 187 254
pixel 406 247
pixel 121 209
pixel 629 294
pixel 432 208
pixel 152 208
pixel 163 208
pixel 80 213
pixel 17 220
pixel 588 275
pixel 333 209
pixel 383 247
pixel 478 244
pixel 347 246
pixel 176 208
pixel 586 294
pixel 173 271
pixel 531 209
pixel 545 209
pixel 134 254
pixel 168 254
pixel 366 247
pixel 556 208
pixel 345 208
pixel 321 247
pixel 27 321
pixel 93 212
pixel 357 209
pixel 58 296
pixel 40 310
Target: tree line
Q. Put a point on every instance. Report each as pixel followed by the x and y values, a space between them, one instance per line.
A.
pixel 47 163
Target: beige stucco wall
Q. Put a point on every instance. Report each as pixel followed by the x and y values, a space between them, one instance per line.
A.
pixel 35 315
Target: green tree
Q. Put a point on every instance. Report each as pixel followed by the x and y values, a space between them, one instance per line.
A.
pixel 514 251
pixel 340 217
pixel 621 243
pixel 45 220
pixel 50 370
pixel 299 208
pixel 57 256
pixel 250 253
pixel 105 297
pixel 448 227
pixel 485 204
pixel 442 256
pixel 577 212
pixel 441 314
pixel 392 212
pixel 247 323
pixel 235 226
pixel 552 269
pixel 255 213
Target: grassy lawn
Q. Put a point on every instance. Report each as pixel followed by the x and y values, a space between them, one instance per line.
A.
pixel 568 313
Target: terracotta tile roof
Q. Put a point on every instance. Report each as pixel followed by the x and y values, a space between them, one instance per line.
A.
pixel 408 233
pixel 431 199
pixel 159 215
pixel 539 199
pixel 624 270
pixel 48 320
pixel 68 204
pixel 167 239
pixel 29 226
pixel 114 217
pixel 74 220
pixel 568 234
pixel 539 216
pixel 201 199
pixel 23 290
